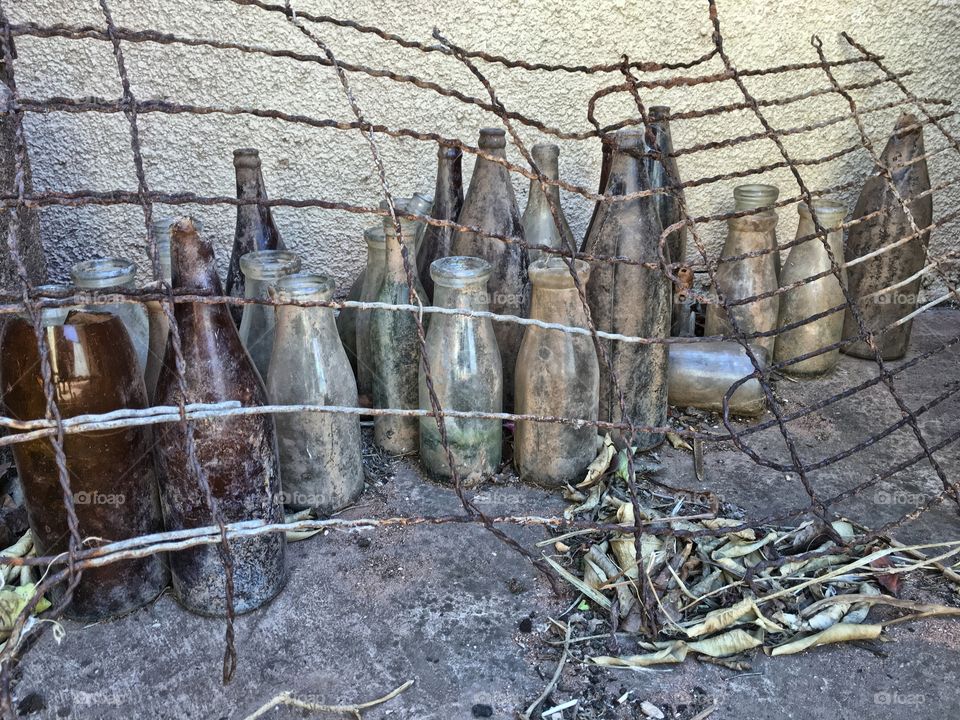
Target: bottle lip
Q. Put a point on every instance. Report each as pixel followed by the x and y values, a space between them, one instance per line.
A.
pixel 449 152
pixel 269 264
pixel 553 272
pixel 751 196
pixel 459 270
pixel 491 137
pixel 103 272
pixel 832 211
pixel 658 112
pixel 628 139
pixel 56 290
pixel 303 286
pixel 420 203
pixel 548 150
pixel 400 203
pixel 246 157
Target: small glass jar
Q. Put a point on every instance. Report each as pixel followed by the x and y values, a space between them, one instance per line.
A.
pixel 104 274
pixel 261 270
pixel 466 371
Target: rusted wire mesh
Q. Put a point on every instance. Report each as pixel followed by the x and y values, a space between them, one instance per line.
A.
pixel 629 78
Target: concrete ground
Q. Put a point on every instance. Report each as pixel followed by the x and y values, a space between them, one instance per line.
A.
pixel 462 615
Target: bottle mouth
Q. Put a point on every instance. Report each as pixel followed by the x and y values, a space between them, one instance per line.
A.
pixel 103 273
pixel 246 157
pixel 459 271
pixel 163 229
pixel 829 212
pixel 628 139
pixel 420 204
pixel 304 286
pixel 658 112
pixel 400 203
pixel 269 264
pixel 553 272
pixel 493 138
pixel 755 195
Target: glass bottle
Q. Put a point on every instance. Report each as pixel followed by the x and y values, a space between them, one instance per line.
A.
pixel 606 149
pixel 805 260
pixel 237 454
pixel 490 204
pixel 372 282
pixel 255 227
pixel 101 275
pixel 320 459
pixel 157 318
pixel 466 371
pixel 395 348
pixel 884 286
pixel 747 278
pixel 663 172
pixel 261 270
pixel 753 196
pixel 111 472
pixel 52 315
pixel 631 299
pixel 702 373
pixel 558 375
pixel 448 199
pixel 538 225
pixel 419 204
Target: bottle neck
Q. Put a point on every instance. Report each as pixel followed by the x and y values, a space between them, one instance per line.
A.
pixel 627 174
pixel 549 166
pixel 193 263
pixel 557 305
pixel 394 256
pixel 468 296
pixel 448 196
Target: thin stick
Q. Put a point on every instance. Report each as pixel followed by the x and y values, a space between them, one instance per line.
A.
pixel 556 676
pixel 285 698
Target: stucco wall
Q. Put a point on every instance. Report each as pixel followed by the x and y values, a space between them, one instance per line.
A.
pixel 186 153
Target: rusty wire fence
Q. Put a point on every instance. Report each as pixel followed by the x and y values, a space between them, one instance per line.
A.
pixel 630 78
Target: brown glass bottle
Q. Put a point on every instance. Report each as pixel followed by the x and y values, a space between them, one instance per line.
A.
pixel 95 370
pixel 255 227
pixel 447 202
pixel 631 299
pixel 238 454
pixel 490 204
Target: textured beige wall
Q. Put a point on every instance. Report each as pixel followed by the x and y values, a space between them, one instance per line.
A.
pixel 186 153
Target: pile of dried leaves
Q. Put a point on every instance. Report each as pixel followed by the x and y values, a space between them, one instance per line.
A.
pixel 701 589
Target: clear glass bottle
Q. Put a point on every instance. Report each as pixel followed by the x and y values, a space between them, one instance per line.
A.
pixel 539 227
pixel 466 371
pixel 491 205
pixel 448 199
pixel 320 460
pixel 261 270
pixel 558 375
pixel 52 315
pixel 631 300
pixel 395 348
pixel 372 282
pixel 747 277
pixel 753 196
pixel 100 276
pixel 702 373
pixel 805 260
pixel 420 204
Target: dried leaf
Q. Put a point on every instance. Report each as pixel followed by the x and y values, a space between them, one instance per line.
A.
pixel 729 643
pixel 678 442
pixel 721 618
pixel 890 583
pixel 842 632
pixel 675 652
pixel 595 595
pixel 600 463
pixel 736 549
pixel 12 602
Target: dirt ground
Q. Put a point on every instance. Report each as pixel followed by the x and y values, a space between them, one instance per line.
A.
pixel 465 618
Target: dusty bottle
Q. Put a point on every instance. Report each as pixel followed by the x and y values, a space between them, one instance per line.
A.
pixel 884 286
pixel 372 282
pixel 420 204
pixel 395 348
pixel 606 149
pixel 447 201
pixel 255 227
pixel 102 275
pixel 663 173
pixel 237 454
pixel 702 373
pixel 557 375
pixel 630 299
pixel 466 371
pixel 490 205
pixel 261 270
pixel 111 472
pixel 805 260
pixel 539 227
pixel 156 317
pixel 746 278
pixel 753 196
pixel 320 459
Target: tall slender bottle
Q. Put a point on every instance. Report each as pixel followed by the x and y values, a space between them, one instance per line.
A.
pixel 539 227
pixel 369 292
pixel 805 260
pixel 261 271
pixel 447 201
pixel 395 347
pixel 237 454
pixel 606 149
pixel 255 227
pixel 111 472
pixel 746 278
pixel 491 205
pixel 466 372
pixel 630 299
pixel 886 286
pixel 663 173
pixel 557 375
pixel 319 452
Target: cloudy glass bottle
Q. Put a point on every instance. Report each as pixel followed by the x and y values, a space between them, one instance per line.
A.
pixel 261 270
